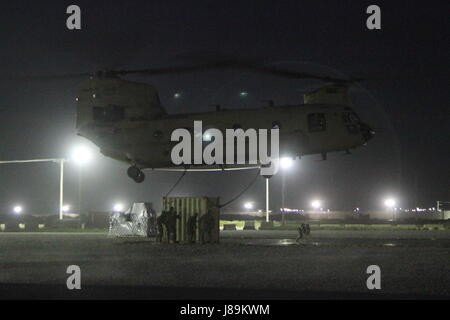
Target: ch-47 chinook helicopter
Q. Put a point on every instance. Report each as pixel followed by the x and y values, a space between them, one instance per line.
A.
pixel 126 120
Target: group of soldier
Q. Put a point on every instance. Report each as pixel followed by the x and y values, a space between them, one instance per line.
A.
pixel 167 221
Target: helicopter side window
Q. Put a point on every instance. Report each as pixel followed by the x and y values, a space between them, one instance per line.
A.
pixel 109 113
pixel 316 122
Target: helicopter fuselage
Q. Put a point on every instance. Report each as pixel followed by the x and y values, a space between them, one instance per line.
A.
pixel 126 121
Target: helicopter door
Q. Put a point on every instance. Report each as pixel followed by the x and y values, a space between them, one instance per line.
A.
pixel 351 122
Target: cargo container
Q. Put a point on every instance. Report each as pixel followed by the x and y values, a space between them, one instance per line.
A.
pixel 186 207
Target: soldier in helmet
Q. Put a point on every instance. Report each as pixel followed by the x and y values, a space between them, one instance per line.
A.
pixel 206 226
pixel 171 225
pixel 308 230
pixel 303 226
pixel 161 222
pixel 300 232
pixel 192 227
pixel 160 227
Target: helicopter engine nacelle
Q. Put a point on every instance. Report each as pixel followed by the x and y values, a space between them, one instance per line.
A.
pixel 335 94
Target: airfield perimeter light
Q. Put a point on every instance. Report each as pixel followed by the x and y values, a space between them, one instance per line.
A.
pixel 118 207
pixel 248 205
pixel 315 204
pixel 286 162
pixel 243 94
pixel 390 203
pixel 17 210
pixel 81 155
pixel 207 136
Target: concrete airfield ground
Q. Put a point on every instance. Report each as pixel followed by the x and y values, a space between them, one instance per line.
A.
pixel 245 265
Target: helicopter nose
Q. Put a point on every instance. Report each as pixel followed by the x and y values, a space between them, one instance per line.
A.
pixel 367 132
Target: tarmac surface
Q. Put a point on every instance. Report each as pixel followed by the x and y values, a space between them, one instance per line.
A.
pixel 245 265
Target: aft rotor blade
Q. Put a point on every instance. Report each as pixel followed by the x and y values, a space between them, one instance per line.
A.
pixel 173 70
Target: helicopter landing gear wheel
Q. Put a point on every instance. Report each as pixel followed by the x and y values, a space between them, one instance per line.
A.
pixel 140 178
pixel 136 174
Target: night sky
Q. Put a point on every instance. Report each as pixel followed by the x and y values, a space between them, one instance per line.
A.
pixel 405 98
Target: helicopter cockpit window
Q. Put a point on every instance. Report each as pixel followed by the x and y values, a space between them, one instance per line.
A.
pixel 316 122
pixel 351 121
pixel 109 113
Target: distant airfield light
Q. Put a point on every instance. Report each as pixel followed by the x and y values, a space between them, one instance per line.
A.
pixel 315 204
pixel 118 207
pixel 243 94
pixel 286 162
pixel 177 95
pixel 207 136
pixel 81 155
pixel 17 209
pixel 390 203
pixel 248 205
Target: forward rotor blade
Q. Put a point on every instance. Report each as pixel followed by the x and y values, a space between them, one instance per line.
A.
pixel 49 77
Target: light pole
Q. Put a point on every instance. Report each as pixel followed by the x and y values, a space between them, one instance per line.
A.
pixel 118 207
pixel 248 205
pixel 61 179
pixel 61 188
pixel 79 189
pixel 267 199
pixel 80 156
pixel 390 203
pixel 285 164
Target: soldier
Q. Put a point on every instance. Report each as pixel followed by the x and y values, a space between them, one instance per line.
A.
pixel 303 226
pixel 300 232
pixel 206 226
pixel 172 225
pixel 150 224
pixel 308 230
pixel 161 221
pixel 192 227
